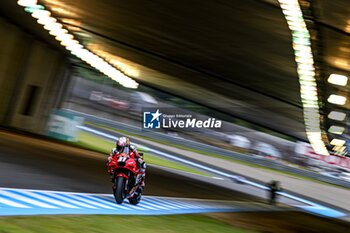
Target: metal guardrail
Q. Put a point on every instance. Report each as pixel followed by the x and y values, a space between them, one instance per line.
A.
pixel 212 149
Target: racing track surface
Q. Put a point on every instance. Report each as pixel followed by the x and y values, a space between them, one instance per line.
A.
pixel 37 164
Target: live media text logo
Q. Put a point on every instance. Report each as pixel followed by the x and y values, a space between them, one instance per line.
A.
pixel 155 120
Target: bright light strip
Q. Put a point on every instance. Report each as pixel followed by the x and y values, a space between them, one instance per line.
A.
pixel 64 37
pixel 69 43
pixel 338 116
pixel 306 73
pixel 337 142
pixel 53 26
pixel 338 79
pixel 67 40
pixel 336 129
pixel 337 99
pixel 41 14
pixel 57 31
pixel 27 3
pixel 46 20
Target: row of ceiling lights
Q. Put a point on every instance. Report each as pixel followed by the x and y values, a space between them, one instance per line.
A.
pixel 306 73
pixel 339 144
pixel 67 40
pixel 303 57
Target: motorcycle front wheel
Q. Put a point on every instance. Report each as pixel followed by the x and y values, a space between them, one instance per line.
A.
pixel 136 198
pixel 119 190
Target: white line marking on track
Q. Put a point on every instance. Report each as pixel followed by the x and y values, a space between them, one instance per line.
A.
pixel 108 202
pixel 90 202
pixel 157 205
pixel 12 203
pixel 148 205
pixel 26 199
pixel 176 204
pixel 172 204
pixel 50 200
pixel 66 199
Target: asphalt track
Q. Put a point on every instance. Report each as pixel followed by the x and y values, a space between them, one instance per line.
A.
pixel 29 163
pixel 37 164
pixel 248 189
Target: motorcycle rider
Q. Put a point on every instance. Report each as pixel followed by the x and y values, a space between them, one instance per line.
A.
pixel 123 146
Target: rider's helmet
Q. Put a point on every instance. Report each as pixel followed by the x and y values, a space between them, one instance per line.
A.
pixel 121 144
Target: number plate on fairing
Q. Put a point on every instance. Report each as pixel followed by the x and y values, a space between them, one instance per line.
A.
pixel 121 160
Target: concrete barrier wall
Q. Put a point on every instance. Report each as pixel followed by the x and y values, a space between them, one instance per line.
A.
pixel 31 73
pixel 12 52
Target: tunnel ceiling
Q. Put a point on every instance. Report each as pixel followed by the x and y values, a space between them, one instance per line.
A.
pixel 233 56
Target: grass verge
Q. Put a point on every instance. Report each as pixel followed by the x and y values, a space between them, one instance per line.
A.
pixel 95 143
pixel 93 223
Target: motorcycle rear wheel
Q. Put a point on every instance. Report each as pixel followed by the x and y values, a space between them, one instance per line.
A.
pixel 119 191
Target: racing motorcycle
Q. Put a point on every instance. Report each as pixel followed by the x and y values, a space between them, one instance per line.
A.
pixel 126 178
